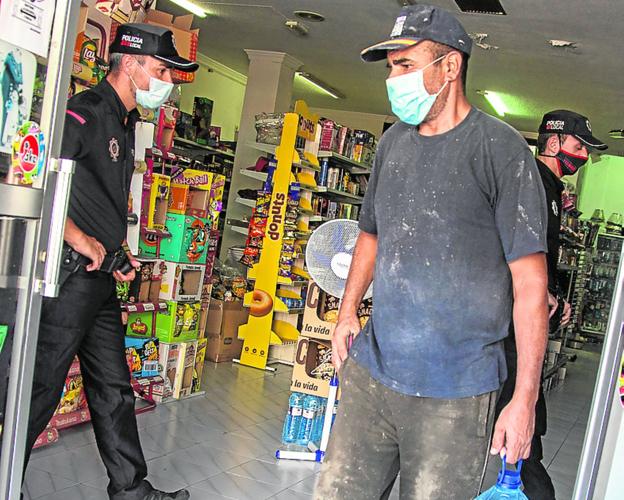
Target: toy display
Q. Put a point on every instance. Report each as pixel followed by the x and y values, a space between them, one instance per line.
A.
pixel 180 322
pixel 186 366
pixel 198 369
pixel 168 355
pixel 181 282
pixel 140 324
pixel 188 241
pixel 142 356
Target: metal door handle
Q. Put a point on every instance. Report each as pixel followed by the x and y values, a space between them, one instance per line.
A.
pixel 64 170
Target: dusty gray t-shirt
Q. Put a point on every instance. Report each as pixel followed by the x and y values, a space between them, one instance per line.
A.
pixel 450 212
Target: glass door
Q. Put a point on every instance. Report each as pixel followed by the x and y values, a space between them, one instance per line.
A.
pixel 36 47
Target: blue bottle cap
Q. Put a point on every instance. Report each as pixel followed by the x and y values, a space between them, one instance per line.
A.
pixel 510 479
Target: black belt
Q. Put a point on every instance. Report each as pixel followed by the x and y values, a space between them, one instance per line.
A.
pixel 113 261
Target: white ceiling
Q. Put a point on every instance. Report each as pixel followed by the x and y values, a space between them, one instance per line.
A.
pixel 538 78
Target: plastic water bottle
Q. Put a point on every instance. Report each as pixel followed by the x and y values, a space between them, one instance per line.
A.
pixel 293 418
pixel 310 407
pixel 317 428
pixel 507 486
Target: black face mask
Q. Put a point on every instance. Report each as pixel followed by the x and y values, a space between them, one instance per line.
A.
pixel 570 163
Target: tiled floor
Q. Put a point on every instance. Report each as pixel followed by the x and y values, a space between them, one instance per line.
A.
pixel 222 445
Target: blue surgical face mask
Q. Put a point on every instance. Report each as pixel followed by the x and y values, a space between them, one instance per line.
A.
pixel 408 96
pixel 157 94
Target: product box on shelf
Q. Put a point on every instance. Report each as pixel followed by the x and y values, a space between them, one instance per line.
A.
pixel 224 318
pixel 188 241
pixel 168 355
pixel 206 293
pixel 178 198
pixel 142 356
pixel 200 187
pixel 185 128
pixel 141 289
pixel 165 127
pixel 184 373
pixel 200 359
pixel 155 201
pixel 321 313
pixel 140 325
pixel 180 322
pixel 181 282
pixel 313 368
pixel 216 199
pixel 186 39
pixel 211 255
pixel 123 11
pixel 202 117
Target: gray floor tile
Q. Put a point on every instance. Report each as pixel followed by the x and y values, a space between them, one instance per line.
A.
pixel 562 491
pixel 78 492
pixel 210 457
pixel 198 494
pixel 284 474
pixel 306 485
pixel 39 483
pixel 80 465
pixel 181 471
pixel 292 495
pixel 238 487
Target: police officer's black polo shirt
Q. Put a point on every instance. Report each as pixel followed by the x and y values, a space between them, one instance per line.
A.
pixel 99 135
pixel 553 187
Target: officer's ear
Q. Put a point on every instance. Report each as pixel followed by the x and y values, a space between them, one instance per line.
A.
pixel 553 145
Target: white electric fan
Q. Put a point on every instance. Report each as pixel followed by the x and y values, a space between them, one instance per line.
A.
pixel 328 258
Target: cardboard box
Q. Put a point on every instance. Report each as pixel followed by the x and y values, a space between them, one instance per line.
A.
pixel 203 320
pixel 200 359
pixel 216 199
pixel 188 241
pixel 155 201
pixel 200 188
pixel 178 198
pixel 142 356
pixel 321 306
pixel 224 318
pixel 186 39
pixel 181 282
pixel 124 11
pixel 179 323
pixel 184 373
pixel 168 355
pixel 211 255
pixel 206 293
pixel 313 369
pixel 140 325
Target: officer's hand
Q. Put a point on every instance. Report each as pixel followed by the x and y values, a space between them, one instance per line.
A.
pixel 346 327
pixel 130 275
pixel 92 249
pixel 553 305
pixel 567 314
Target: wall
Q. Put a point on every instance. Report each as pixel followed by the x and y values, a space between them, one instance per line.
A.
pixel 362 121
pixel 601 185
pixel 225 87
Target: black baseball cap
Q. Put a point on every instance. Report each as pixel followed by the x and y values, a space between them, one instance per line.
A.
pixel 150 40
pixel 562 121
pixel 417 23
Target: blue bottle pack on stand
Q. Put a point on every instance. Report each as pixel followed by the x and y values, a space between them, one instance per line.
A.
pixel 508 486
pixel 293 418
pixel 317 428
pixel 310 406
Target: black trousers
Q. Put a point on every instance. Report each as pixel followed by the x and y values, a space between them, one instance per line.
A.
pixel 85 319
pixel 535 478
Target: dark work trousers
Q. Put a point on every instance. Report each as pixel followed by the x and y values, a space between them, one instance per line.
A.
pixel 86 320
pixel 535 478
pixel 439 446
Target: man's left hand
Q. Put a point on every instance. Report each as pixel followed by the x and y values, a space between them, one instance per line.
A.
pixel 131 274
pixel 567 314
pixel 513 431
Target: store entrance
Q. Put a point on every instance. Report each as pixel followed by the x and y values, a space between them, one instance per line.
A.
pixel 34 191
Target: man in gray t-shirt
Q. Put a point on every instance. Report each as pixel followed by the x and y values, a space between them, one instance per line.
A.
pixel 454 233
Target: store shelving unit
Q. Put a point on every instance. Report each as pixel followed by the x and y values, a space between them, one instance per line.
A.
pixel 600 285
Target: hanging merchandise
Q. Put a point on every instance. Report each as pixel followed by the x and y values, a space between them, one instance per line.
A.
pixel 17 84
pixel 28 154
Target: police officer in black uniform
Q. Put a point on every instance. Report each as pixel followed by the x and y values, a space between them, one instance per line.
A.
pixel 563 145
pixel 86 319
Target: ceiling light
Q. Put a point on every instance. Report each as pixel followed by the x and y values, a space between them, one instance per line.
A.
pixel 495 101
pixel 313 17
pixel 297 27
pixel 481 7
pixel 318 84
pixel 616 134
pixel 191 7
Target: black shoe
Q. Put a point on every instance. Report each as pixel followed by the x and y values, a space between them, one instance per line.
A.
pixel 163 495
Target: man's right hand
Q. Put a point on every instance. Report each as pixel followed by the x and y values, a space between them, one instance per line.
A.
pixel 92 249
pixel 347 326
